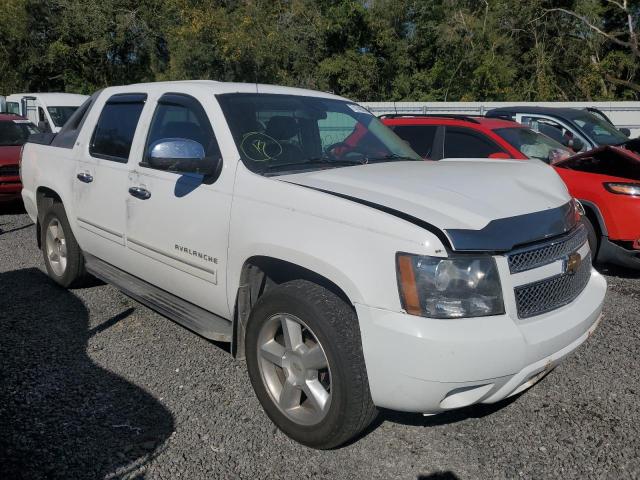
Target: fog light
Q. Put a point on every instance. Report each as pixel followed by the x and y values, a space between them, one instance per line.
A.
pixel 636 245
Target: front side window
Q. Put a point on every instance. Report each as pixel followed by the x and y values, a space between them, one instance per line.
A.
pixel 113 135
pixel 60 115
pixel 180 116
pixel 598 129
pixel 279 134
pixel 419 137
pixel 554 130
pixel 15 132
pixel 465 143
pixel 533 144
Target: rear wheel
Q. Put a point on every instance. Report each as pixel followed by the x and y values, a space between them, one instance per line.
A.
pixel 305 361
pixel 62 256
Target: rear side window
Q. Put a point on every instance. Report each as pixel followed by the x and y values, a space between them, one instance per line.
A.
pixel 419 137
pixel 116 127
pixel 465 143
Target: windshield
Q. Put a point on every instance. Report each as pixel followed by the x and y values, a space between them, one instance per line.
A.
pixel 279 134
pixel 15 132
pixel 60 115
pixel 534 144
pixel 601 131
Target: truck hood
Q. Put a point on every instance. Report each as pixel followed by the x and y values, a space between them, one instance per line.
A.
pixel 473 201
pixel 9 155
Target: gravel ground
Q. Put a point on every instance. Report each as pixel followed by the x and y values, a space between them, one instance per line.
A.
pixel 94 385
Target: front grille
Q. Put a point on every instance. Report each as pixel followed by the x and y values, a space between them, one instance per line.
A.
pixel 535 256
pixel 554 292
pixel 9 171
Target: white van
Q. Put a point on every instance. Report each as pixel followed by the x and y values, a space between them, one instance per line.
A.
pixel 49 111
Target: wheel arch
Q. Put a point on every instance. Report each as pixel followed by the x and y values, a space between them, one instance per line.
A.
pixel 595 216
pixel 45 198
pixel 259 273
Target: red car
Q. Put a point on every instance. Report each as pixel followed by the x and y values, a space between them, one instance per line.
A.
pixel 14 131
pixel 606 180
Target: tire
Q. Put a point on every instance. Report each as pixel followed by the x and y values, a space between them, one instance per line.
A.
pixel 592 237
pixel 68 270
pixel 329 323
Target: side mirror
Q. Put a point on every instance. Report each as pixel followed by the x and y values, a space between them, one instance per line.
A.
pixel 181 155
pixel 625 131
pixel 43 126
pixel 576 144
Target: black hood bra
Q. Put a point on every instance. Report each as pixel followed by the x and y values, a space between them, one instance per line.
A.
pixel 500 235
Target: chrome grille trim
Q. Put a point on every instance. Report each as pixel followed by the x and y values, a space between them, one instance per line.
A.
pixel 551 293
pixel 534 256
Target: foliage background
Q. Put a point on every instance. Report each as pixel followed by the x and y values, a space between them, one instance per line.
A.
pixel 371 50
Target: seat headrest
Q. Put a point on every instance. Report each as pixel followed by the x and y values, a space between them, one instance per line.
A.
pixel 282 128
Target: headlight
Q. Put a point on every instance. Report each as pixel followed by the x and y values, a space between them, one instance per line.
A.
pixel 632 189
pixel 456 287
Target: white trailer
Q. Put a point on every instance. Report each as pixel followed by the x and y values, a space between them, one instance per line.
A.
pixel 622 114
pixel 49 111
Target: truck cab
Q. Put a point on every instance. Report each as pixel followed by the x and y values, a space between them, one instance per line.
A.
pixel 349 273
pixel 49 111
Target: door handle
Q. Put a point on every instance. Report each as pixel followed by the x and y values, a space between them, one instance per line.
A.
pixel 85 177
pixel 139 192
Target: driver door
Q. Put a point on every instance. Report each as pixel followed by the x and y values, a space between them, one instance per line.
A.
pixel 176 223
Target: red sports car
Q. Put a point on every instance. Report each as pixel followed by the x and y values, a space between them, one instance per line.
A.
pixel 606 180
pixel 14 131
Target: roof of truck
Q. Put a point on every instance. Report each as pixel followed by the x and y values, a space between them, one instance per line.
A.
pixel 224 87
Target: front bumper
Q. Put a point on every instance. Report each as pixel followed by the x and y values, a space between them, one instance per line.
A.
pixel 610 252
pixel 424 365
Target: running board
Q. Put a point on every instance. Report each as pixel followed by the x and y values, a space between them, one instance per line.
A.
pixel 201 321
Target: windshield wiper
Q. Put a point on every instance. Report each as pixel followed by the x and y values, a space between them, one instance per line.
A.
pixel 311 162
pixel 390 157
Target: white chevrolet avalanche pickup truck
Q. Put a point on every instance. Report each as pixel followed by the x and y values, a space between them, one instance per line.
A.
pixel 349 272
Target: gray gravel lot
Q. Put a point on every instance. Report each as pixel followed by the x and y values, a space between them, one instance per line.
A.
pixel 94 385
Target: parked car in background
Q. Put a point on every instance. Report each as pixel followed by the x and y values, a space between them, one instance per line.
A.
pixel 296 226
pixel 581 130
pixel 14 132
pixel 49 111
pixel 461 136
pixel 606 179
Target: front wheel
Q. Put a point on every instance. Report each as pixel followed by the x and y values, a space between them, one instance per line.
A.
pixel 305 362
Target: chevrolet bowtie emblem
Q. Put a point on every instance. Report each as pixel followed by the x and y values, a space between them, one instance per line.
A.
pixel 573 263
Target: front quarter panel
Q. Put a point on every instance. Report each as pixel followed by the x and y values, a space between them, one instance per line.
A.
pixel 350 244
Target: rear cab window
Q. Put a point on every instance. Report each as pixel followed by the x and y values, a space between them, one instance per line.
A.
pixel 116 127
pixel 460 142
pixel 14 133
